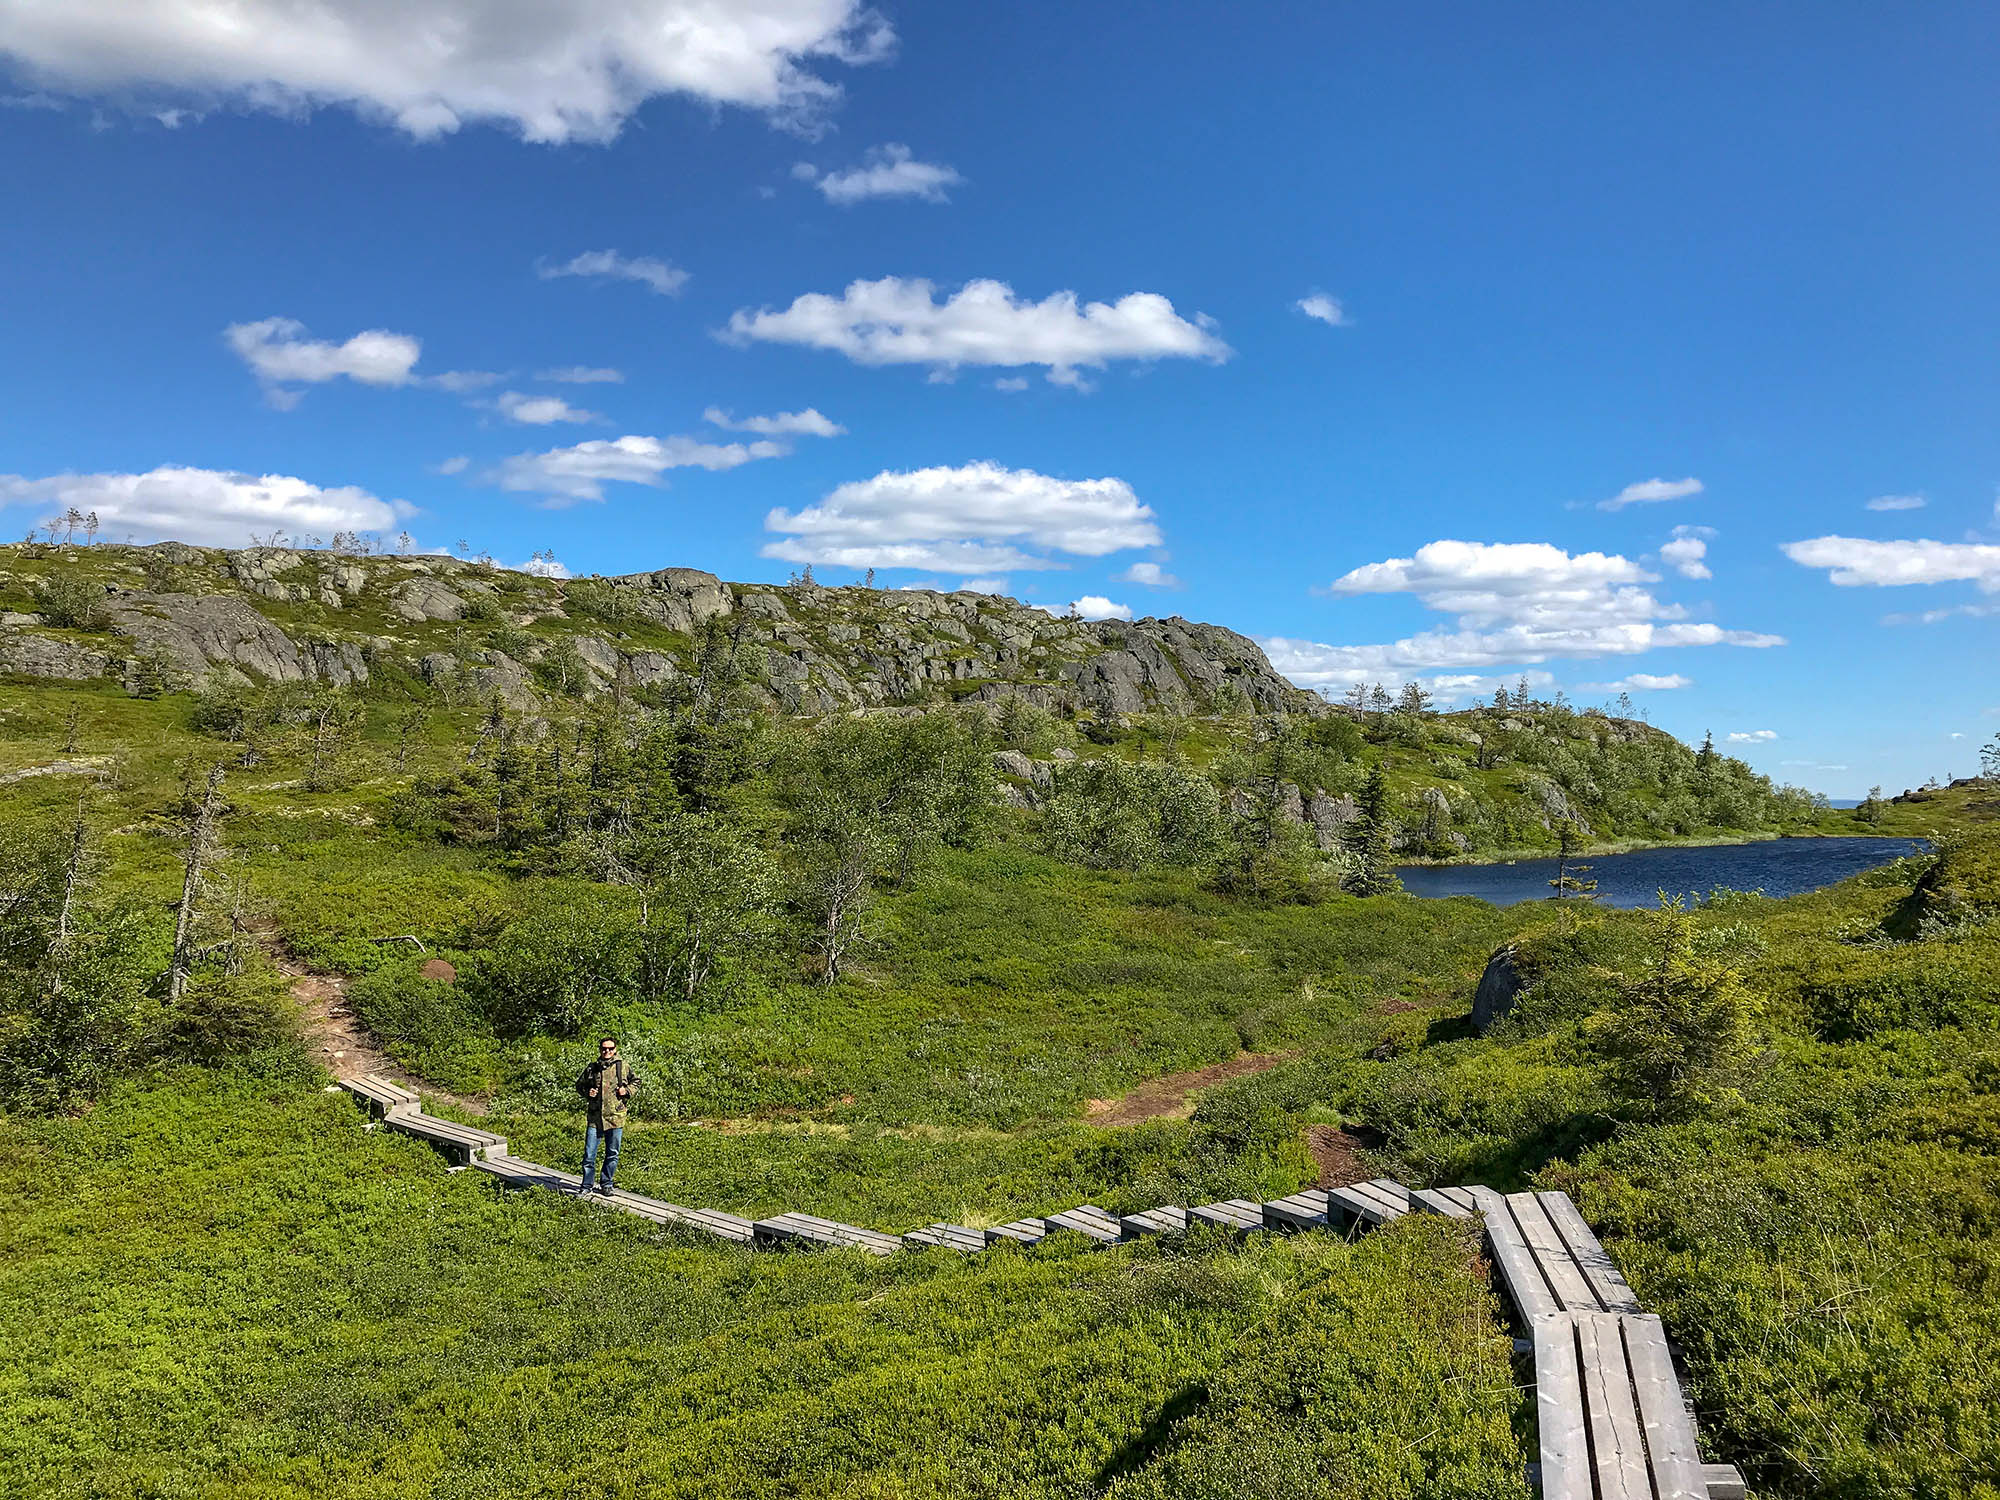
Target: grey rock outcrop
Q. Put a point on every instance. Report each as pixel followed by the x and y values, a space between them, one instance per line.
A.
pixel 1499 986
pixel 421 599
pixel 23 654
pixel 198 632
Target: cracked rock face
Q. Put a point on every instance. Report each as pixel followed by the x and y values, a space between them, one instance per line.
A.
pixel 823 650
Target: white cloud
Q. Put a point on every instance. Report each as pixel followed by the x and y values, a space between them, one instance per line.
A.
pixel 279 354
pixel 1097 607
pixel 581 375
pixel 649 271
pixel 573 71
pixel 1514 602
pixel 886 172
pixel 540 411
pixel 1854 562
pixel 982 586
pixel 282 358
pixel 1937 616
pixel 1151 574
pixel 1685 552
pixel 1326 309
pixel 1651 491
pixel 542 566
pixel 1812 765
pixel 1898 502
pixel 807 423
pixel 454 465
pixel 205 507
pixel 1308 665
pixel 1753 737
pixel 977 519
pixel 565 475
pixel 1643 682
pixel 1011 383
pixel 899 322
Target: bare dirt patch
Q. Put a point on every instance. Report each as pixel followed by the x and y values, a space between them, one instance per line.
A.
pixel 335 1035
pixel 1168 1097
pixel 1337 1154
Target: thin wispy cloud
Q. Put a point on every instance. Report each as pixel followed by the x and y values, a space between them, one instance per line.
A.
pixel 1652 492
pixel 1898 502
pixel 890 171
pixel 1324 309
pixel 565 475
pixel 540 411
pixel 807 423
pixel 581 375
pixel 649 271
pixel 1856 562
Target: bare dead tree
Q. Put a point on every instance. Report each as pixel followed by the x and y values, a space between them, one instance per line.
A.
pixel 194 855
pixel 66 908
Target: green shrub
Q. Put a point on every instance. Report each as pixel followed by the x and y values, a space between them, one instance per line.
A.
pixel 220 1017
pixel 1860 993
pixel 70 601
pixel 560 967
pixel 1113 815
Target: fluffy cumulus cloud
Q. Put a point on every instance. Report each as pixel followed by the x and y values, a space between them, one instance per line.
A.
pixel 1753 736
pixel 649 271
pixel 204 507
pixel 581 375
pixel 1323 308
pixel 1151 574
pixel 982 586
pixel 283 357
pixel 1853 562
pixel 1097 607
pixel 280 355
pixel 886 172
pixel 542 565
pixel 565 475
pixel 902 322
pixel 1897 502
pixel 980 518
pixel 540 411
pixel 1651 492
pixel 1514 602
pixel 1330 672
pixel 1685 552
pixel 807 423
pixel 574 71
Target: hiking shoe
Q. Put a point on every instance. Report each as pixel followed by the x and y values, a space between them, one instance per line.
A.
pixel 606 1189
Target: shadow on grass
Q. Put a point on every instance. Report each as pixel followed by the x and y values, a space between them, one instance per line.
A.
pixel 1148 1442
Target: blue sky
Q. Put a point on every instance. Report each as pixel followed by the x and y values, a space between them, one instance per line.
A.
pixel 1029 295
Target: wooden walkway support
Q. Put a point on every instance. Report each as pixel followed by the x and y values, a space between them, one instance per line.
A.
pixel 1613 1422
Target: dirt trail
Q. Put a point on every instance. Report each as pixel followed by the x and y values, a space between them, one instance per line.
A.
pixel 1337 1153
pixel 1167 1098
pixel 335 1034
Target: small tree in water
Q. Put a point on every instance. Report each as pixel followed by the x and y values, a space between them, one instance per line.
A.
pixel 1678 1033
pixel 1569 883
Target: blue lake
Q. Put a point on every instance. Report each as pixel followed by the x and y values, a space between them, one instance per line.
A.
pixel 1778 867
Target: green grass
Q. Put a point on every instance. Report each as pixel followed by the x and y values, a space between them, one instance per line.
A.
pixel 226 1287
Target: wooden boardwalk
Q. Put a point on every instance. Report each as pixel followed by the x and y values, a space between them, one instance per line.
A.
pixel 1612 1418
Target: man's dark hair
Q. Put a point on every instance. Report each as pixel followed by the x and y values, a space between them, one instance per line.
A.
pixel 611 1039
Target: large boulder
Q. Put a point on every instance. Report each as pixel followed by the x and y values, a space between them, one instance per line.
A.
pixel 1498 988
pixel 197 632
pixel 420 599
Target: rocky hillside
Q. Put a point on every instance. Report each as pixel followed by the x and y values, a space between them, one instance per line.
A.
pixel 285 614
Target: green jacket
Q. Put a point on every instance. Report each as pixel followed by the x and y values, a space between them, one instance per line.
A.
pixel 607 1110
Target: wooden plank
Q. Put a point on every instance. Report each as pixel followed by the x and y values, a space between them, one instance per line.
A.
pixel 1020 1232
pixel 1725 1482
pixel 1559 1414
pixel 1674 1454
pixel 1527 1288
pixel 1372 1203
pixel 1617 1440
pixel 1572 1289
pixel 1087 1219
pixel 1239 1214
pixel 1397 1195
pixel 1166 1220
pixel 1305 1210
pixel 1430 1200
pixel 1462 1197
pixel 1613 1292
pixel 947 1237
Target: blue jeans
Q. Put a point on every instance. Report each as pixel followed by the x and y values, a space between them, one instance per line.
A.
pixel 612 1137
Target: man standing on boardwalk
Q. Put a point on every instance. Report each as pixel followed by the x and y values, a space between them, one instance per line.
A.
pixel 607 1086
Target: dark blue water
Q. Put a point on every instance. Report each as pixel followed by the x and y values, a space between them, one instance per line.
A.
pixel 1778 867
